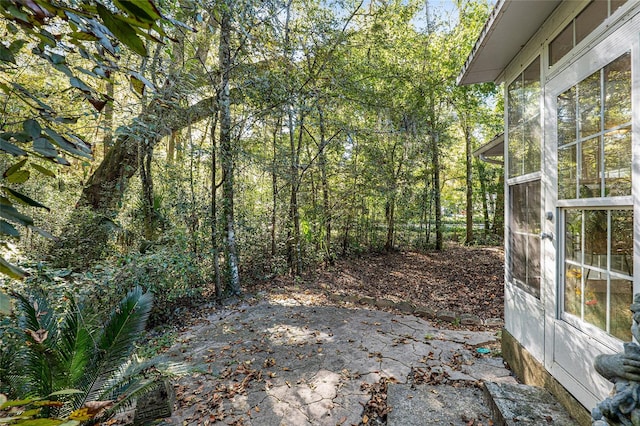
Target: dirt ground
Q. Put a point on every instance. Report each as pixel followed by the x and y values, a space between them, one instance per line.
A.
pixel 466 280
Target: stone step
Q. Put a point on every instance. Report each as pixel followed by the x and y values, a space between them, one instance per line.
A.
pixel 500 404
pixel 517 404
pixel 436 405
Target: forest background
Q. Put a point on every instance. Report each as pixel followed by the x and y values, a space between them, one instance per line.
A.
pixel 194 147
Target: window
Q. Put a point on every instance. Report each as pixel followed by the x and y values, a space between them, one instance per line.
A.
pixel 581 26
pixel 524 237
pixel 594 183
pixel 524 127
pixel 598 268
pixel 594 134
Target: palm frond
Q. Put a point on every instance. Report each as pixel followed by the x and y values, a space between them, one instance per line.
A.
pixel 116 341
pixel 76 348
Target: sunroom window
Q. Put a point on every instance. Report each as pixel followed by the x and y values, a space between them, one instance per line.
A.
pixel 594 134
pixel 524 130
pixel 581 26
pixel 524 121
pixel 594 189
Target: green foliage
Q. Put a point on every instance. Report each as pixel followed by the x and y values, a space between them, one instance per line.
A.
pixel 85 33
pixel 58 350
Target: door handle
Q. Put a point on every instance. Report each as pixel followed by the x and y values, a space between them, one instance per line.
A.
pixel 546 235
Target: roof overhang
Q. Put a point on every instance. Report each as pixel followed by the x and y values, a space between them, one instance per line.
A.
pixel 492 151
pixel 511 24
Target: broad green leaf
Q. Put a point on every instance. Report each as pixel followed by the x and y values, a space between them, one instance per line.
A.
pixel 66 392
pixel 79 84
pixel 11 170
pixel 143 10
pixel 21 176
pixel 6 55
pixel 64 143
pixel 14 272
pixel 137 85
pixel 122 31
pixel 9 212
pixel 8 229
pixel 44 147
pixel 32 128
pixel 42 232
pixel 41 422
pixel 24 199
pixel 43 170
pixel 10 148
pixel 16 46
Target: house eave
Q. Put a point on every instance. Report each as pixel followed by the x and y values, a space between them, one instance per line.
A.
pixel 493 151
pixel 511 24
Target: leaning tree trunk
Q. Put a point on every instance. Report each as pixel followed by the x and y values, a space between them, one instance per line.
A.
pixel 92 223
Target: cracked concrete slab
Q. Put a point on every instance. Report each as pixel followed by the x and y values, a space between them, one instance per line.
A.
pixel 286 363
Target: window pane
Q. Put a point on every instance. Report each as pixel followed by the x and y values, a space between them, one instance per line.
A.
pixel 514 94
pixel 595 299
pixel 567 172
pixel 595 239
pixel 567 117
pixel 573 290
pixel 617 85
pixel 622 241
pixel 573 235
pixel 589 105
pixel 516 151
pixel 617 164
pixel 531 89
pixel 590 182
pixel 524 237
pixel 621 298
pixel 531 145
pixel 615 4
pixel 590 18
pixel 561 45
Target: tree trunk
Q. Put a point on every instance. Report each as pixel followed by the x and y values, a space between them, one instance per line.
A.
pixel 390 209
pixel 108 183
pixel 483 191
pixel 293 241
pixel 274 187
pixel 324 182
pixel 107 139
pixel 226 150
pixel 215 247
pixel 435 162
pixel 469 183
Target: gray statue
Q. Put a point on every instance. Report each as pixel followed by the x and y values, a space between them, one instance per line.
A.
pixel 622 407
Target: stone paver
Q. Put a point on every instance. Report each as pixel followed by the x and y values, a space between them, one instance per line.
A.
pixel 281 362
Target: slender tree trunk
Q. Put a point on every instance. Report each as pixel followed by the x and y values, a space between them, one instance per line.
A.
pixel 145 155
pixel 324 182
pixel 107 139
pixel 469 183
pixel 226 150
pixel 274 187
pixel 294 248
pixel 435 163
pixel 215 246
pixel 171 147
pixel 390 209
pixel 483 191
pixel 498 218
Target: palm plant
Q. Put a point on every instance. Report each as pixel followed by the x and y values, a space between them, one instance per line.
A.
pixel 66 351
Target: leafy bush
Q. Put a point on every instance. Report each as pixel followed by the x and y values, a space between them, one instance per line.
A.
pixel 85 365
